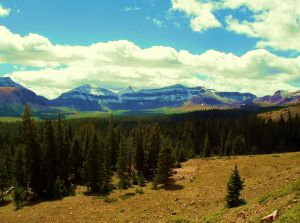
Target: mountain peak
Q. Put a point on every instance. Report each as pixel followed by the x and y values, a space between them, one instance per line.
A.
pixel 8 82
pixel 127 90
pixel 176 86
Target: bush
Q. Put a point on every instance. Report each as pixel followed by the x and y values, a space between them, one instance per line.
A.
pixel 155 183
pixel 19 197
pixel 59 189
pixel 72 190
pixel 123 184
pixel 141 180
pixel 139 191
pixel 134 178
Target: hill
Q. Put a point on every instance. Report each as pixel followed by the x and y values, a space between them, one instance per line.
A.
pixel 198 196
pixel 276 114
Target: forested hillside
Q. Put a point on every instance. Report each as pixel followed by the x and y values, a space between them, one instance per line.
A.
pixel 50 157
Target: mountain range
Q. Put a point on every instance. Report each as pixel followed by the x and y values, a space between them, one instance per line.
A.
pixel 14 96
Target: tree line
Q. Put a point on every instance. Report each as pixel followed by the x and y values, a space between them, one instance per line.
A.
pixel 47 159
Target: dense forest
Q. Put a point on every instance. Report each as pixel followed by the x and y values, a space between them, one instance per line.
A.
pixel 47 159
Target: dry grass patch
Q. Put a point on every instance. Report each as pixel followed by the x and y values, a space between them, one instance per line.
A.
pixel 198 195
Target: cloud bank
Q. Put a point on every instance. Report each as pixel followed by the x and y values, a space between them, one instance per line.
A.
pixel 59 68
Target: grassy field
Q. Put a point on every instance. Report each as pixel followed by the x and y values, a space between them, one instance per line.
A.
pixel 271 182
pixel 10 119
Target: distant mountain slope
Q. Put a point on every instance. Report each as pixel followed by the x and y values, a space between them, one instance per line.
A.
pixel 13 97
pixel 89 98
pixel 280 98
pixel 85 98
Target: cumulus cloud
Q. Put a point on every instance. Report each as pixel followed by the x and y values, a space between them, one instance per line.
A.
pixel 275 23
pixel 117 64
pixel 200 13
pixel 4 11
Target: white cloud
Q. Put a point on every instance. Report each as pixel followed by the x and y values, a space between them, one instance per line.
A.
pixel 200 13
pixel 4 11
pixel 131 8
pixel 122 63
pixel 276 23
pixel 157 22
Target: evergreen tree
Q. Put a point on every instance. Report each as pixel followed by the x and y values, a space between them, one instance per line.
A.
pixel 20 170
pixel 4 178
pixel 165 163
pixel 151 151
pixel 107 168
pixel 229 144
pixel 129 146
pixel 234 188
pixel 59 189
pixel 51 166
pixel 19 196
pixel 139 150
pixel 76 160
pixel 122 165
pixel 94 172
pixel 206 146
pixel 32 151
pixel 141 180
pixel 63 151
pixel 112 143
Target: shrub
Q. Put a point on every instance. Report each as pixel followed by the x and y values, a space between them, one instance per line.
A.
pixel 59 189
pixel 19 197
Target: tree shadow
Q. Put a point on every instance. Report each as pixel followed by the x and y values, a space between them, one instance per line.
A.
pixel 35 201
pixel 172 187
pixel 4 203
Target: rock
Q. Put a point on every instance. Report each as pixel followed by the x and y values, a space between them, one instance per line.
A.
pixel 269 218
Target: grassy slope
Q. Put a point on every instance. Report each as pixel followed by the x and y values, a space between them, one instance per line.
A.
pixel 9 119
pixel 275 115
pixel 198 200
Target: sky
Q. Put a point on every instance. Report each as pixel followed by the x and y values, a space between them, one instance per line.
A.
pixel 52 46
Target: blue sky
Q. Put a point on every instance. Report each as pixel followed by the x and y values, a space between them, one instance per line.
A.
pixel 213 31
pixel 80 23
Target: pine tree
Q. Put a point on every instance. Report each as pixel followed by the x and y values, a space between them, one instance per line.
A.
pixel 63 151
pixel 206 145
pixel 122 165
pixel 59 189
pixel 76 160
pixel 234 188
pixel 129 147
pixel 51 166
pixel 112 143
pixel 32 151
pixel 141 180
pixel 151 151
pixel 19 196
pixel 165 163
pixel 4 178
pixel 94 172
pixel 20 170
pixel 139 150
pixel 107 168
